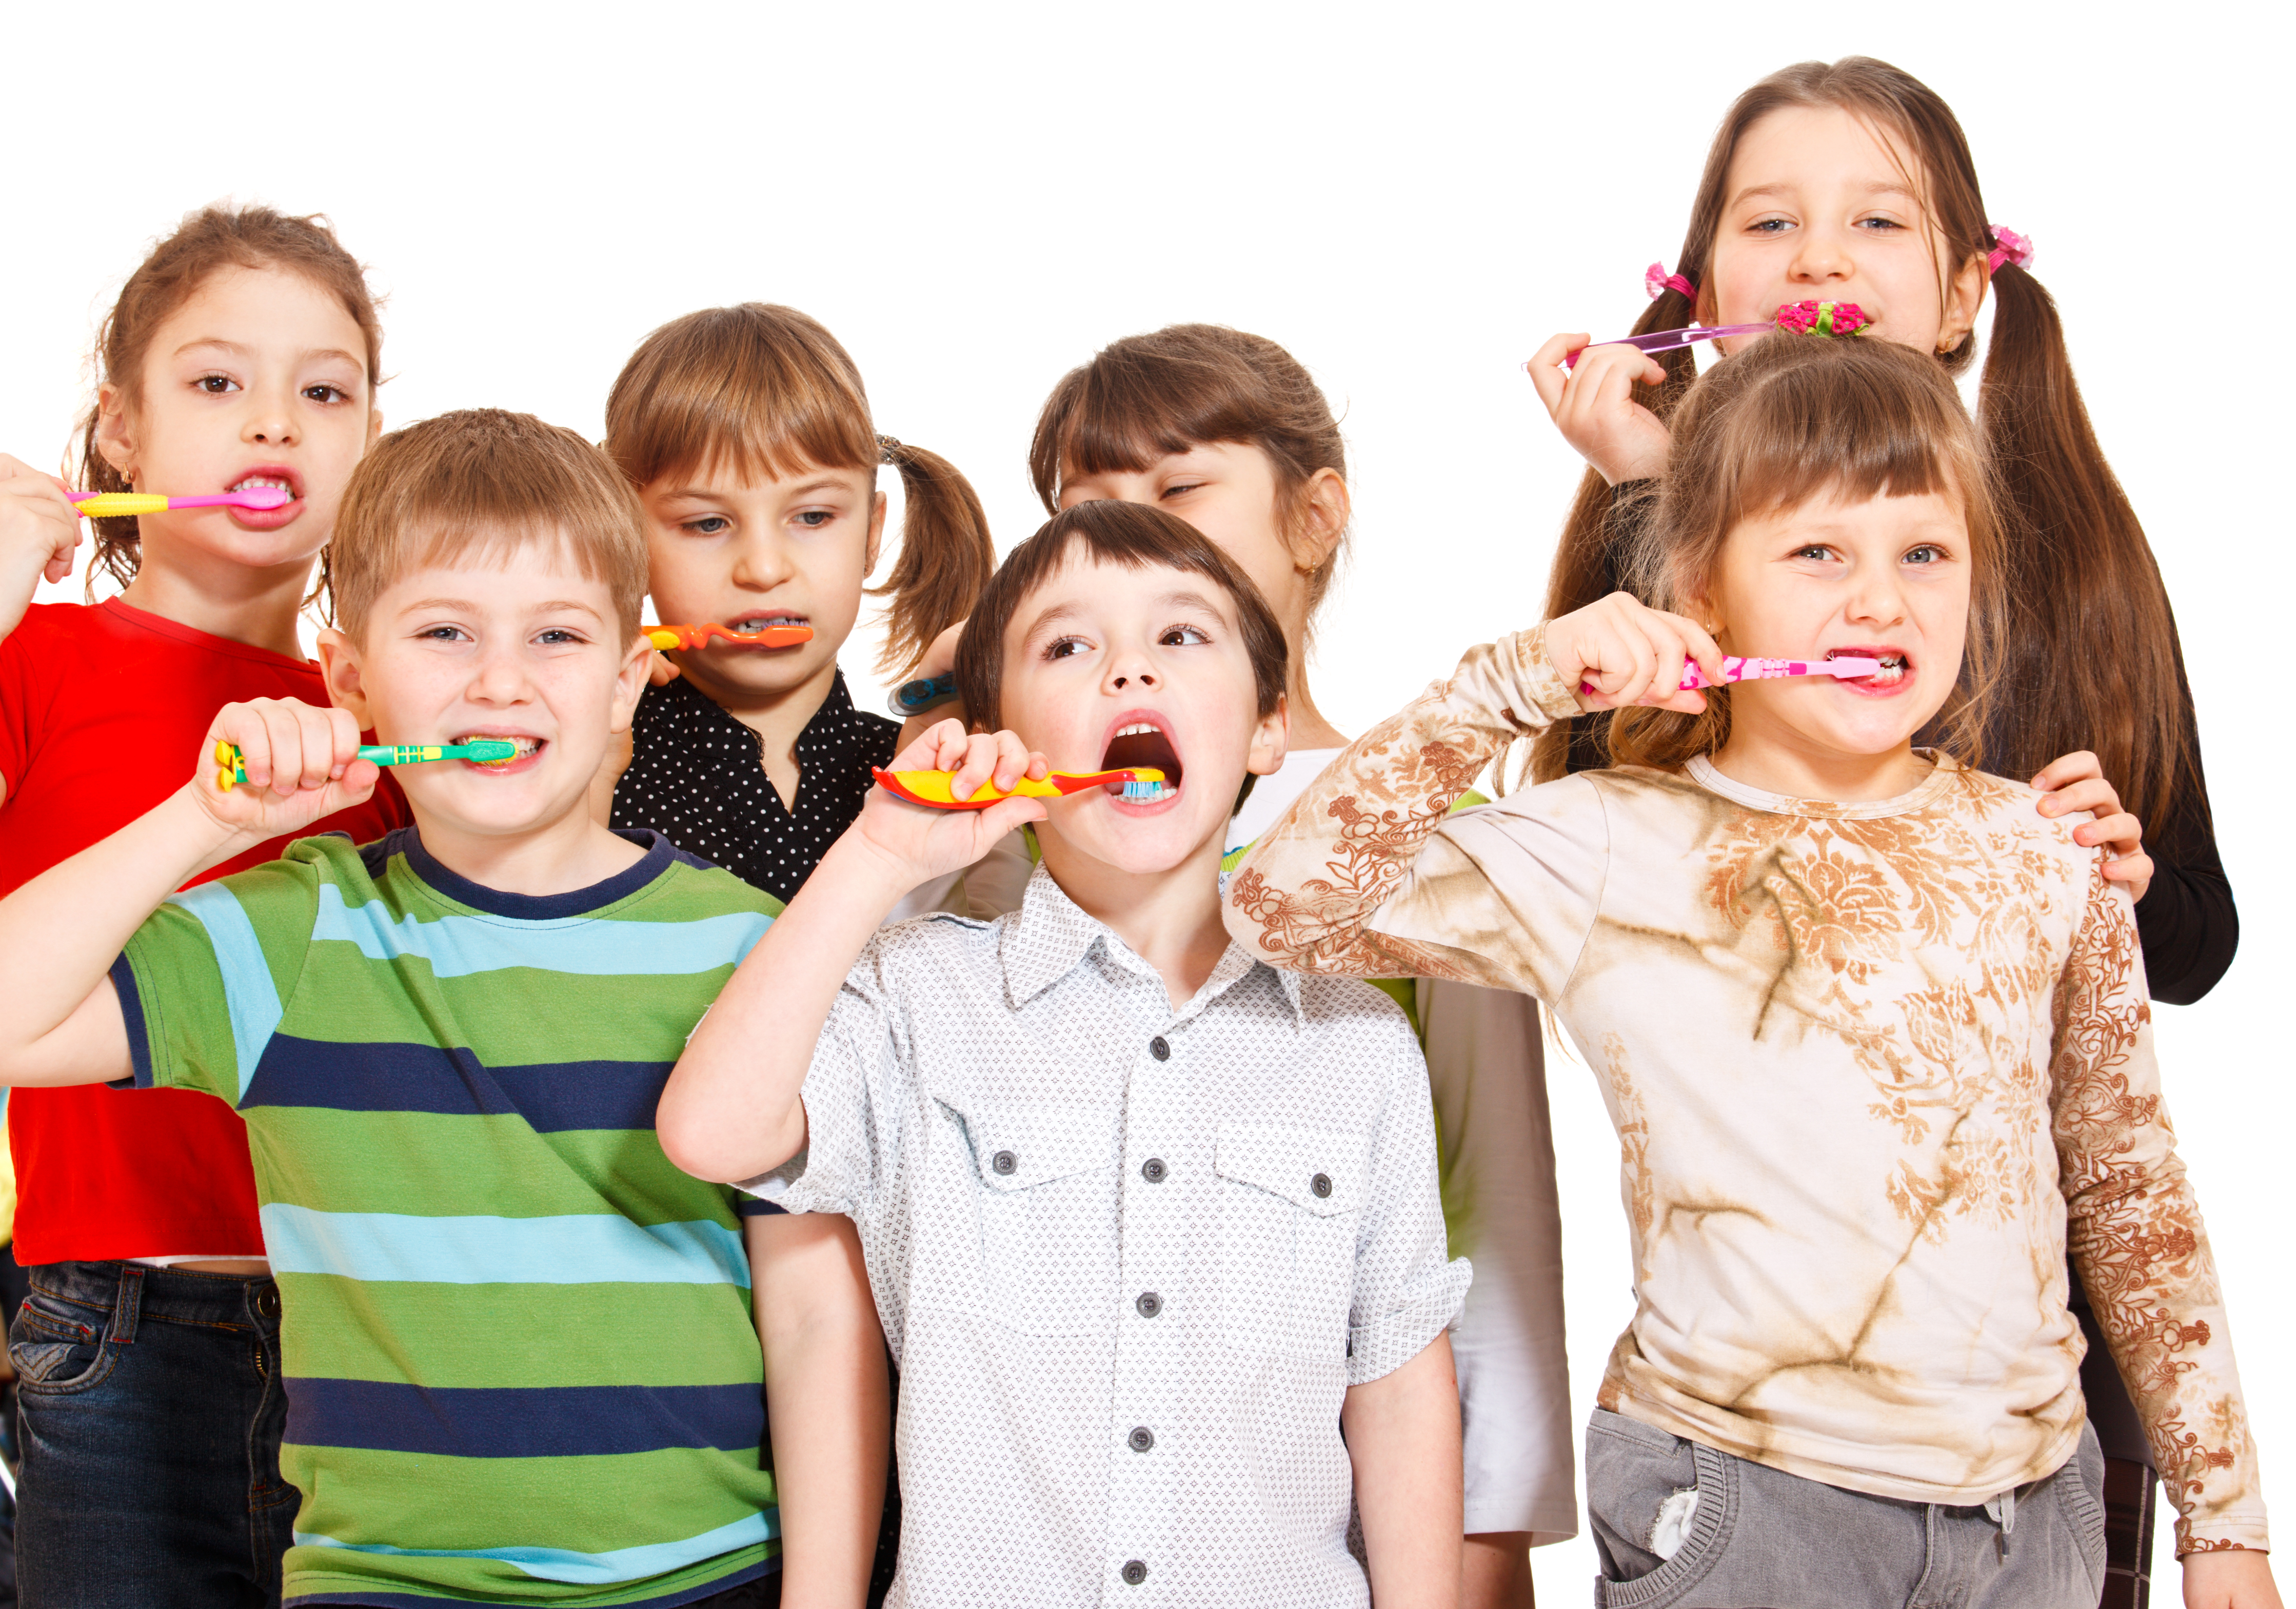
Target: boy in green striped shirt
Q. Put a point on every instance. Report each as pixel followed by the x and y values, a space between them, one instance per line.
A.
pixel 521 1355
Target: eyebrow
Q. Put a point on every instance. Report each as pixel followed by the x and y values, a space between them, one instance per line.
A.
pixel 1184 598
pixel 1875 188
pixel 465 606
pixel 712 494
pixel 237 350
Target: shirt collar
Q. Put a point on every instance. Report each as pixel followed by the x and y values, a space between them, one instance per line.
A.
pixel 1050 935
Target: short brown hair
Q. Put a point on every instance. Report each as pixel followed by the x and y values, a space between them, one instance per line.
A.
pixel 766 391
pixel 1789 419
pixel 208 240
pixel 475 485
pixel 1132 535
pixel 1182 387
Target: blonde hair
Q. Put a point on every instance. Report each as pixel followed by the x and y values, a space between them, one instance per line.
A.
pixel 767 392
pixel 1791 419
pixel 472 486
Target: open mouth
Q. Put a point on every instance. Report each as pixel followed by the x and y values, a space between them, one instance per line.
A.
pixel 1895 666
pixel 528 747
pixel 1141 742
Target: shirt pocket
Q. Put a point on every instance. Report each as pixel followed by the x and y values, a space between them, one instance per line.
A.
pixel 1045 1190
pixel 1290 1203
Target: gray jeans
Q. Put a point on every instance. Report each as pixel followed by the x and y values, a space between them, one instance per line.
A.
pixel 1756 1537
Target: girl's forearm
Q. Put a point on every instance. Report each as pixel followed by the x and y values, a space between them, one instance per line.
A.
pixel 732 1108
pixel 1402 1433
pixel 60 932
pixel 828 1402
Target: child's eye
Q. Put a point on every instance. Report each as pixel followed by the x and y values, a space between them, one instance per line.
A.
pixel 557 637
pixel 325 393
pixel 1060 648
pixel 1926 554
pixel 442 634
pixel 707 525
pixel 217 385
pixel 1184 488
pixel 1769 225
pixel 1816 550
pixel 1181 637
pixel 1879 225
pixel 814 519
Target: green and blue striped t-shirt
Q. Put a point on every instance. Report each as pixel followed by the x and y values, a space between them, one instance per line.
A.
pixel 521 1363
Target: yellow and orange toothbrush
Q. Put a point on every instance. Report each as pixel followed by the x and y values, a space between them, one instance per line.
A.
pixel 485 750
pixel 670 638
pixel 1143 785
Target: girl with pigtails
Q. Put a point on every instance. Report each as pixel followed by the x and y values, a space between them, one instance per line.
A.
pixel 1854 183
pixel 749 439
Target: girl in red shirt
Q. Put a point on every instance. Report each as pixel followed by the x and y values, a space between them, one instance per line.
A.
pixel 244 351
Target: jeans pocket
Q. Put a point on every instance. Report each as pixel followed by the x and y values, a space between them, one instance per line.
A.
pixel 1660 1508
pixel 2079 1489
pixel 55 1350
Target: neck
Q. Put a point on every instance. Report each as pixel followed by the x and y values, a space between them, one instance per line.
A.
pixel 1170 919
pixel 1782 764
pixel 243 605
pixel 572 852
pixel 1309 728
pixel 778 717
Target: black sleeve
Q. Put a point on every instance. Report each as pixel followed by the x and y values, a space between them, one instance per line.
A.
pixel 2187 921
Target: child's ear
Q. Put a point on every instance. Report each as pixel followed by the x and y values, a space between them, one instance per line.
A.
pixel 876 535
pixel 1962 298
pixel 1269 740
pixel 112 438
pixel 630 680
pixel 339 664
pixel 1324 507
pixel 373 426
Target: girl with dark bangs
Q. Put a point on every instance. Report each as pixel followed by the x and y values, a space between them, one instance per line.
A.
pixel 1854 182
pixel 1872 1029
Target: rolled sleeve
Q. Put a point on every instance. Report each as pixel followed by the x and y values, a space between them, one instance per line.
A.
pixel 1408 1289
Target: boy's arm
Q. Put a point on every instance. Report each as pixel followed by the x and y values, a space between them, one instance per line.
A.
pixel 827 1402
pixel 1402 1432
pixel 60 932
pixel 1368 837
pixel 732 1109
pixel 2136 1234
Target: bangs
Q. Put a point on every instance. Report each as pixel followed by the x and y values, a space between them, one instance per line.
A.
pixel 1129 407
pixel 761 392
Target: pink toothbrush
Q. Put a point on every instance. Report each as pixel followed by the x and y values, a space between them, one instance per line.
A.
pixel 1801 318
pixel 99 505
pixel 1736 670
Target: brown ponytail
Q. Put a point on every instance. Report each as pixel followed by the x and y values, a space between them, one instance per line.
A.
pixel 945 556
pixel 2090 660
pixel 766 391
pixel 207 240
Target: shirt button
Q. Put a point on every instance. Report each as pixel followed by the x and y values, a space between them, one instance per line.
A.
pixel 1141 1440
pixel 1133 1573
pixel 1321 1184
pixel 1149 1303
pixel 1162 1052
pixel 1153 1170
pixel 1004 1162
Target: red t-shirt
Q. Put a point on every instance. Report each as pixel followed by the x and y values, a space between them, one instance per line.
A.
pixel 101 713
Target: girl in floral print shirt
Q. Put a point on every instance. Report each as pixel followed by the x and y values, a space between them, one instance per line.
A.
pixel 1873 1032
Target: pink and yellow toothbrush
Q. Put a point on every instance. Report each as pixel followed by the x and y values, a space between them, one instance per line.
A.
pixel 484 751
pixel 1143 785
pixel 1798 317
pixel 101 505
pixel 1736 670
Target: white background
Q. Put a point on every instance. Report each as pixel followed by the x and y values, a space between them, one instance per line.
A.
pixel 1410 198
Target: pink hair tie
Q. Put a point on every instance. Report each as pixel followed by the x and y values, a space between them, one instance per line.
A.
pixel 1657 281
pixel 2012 247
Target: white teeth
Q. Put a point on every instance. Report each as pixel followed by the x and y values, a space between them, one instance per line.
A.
pixel 1137 729
pixel 253 481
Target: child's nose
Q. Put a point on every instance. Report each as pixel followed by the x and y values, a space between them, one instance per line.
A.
pixel 1821 254
pixel 269 421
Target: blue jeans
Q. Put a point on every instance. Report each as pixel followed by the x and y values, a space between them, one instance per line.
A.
pixel 150 1411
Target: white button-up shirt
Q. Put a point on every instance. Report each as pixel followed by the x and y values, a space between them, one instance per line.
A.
pixel 1129 1258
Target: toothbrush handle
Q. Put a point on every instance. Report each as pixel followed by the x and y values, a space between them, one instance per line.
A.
pixel 1734 669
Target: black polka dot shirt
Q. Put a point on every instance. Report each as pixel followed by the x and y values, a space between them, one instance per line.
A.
pixel 696 778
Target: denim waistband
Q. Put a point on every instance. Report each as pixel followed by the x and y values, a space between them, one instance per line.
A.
pixel 134 1292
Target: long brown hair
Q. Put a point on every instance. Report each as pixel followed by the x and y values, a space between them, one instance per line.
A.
pixel 2092 656
pixel 1183 386
pixel 211 239
pixel 766 391
pixel 1788 420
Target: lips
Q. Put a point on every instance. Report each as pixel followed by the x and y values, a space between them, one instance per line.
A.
pixel 1140 739
pixel 268 474
pixel 1895 674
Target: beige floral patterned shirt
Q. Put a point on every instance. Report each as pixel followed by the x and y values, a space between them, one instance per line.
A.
pixel 1871 1065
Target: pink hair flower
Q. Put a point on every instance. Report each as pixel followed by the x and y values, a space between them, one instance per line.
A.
pixel 1658 282
pixel 2010 247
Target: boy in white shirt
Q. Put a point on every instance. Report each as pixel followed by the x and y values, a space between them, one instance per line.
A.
pixel 1150 1225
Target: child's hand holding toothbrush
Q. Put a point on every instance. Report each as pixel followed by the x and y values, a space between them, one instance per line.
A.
pixel 39 528
pixel 910 841
pixel 1631 654
pixel 1593 406
pixel 301 763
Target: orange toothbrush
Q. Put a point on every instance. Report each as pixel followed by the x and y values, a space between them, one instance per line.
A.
pixel 670 638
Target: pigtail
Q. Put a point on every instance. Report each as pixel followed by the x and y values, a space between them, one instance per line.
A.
pixel 1587 565
pixel 2093 661
pixel 945 558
